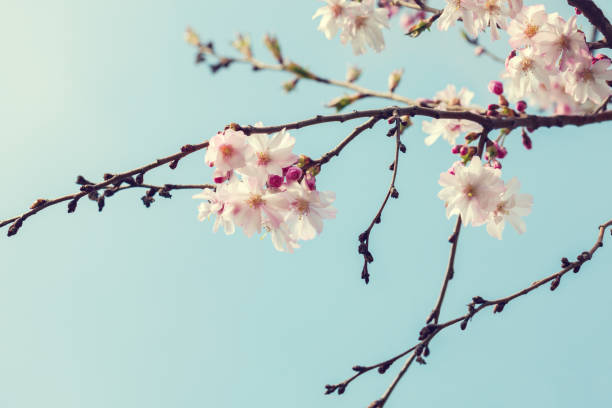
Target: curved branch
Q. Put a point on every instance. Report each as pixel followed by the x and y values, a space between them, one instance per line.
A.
pixel 595 16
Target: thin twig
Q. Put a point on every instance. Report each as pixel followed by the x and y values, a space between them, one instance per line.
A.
pixel 595 16
pixel 477 305
pixel 476 43
pixel 364 237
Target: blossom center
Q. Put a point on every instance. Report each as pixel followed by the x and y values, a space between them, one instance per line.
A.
pixel 226 150
pixel 526 64
pixel 360 21
pixel 469 191
pixel 263 158
pixel 302 206
pixel 491 6
pixel 586 75
pixel 455 102
pixel 531 30
pixel 255 201
pixel 336 10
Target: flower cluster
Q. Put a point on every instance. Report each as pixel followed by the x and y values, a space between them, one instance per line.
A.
pixel 450 129
pixel 261 185
pixel 361 23
pixel 550 63
pixel 477 193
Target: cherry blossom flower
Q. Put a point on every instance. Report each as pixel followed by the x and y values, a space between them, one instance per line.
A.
pixel 363 26
pixel 307 209
pixel 526 72
pixel 514 7
pixel 456 9
pixel 450 97
pixel 586 80
pixel 227 150
pixel 510 207
pixel 332 17
pixel 268 156
pixel 472 192
pixel 525 28
pixel 215 204
pixel 492 14
pixel 253 207
pixel 561 38
pixel 449 129
pixel 282 239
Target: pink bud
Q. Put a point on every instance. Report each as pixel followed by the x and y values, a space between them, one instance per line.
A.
pixel 527 141
pixel 293 173
pixel 496 87
pixel 521 106
pixel 501 152
pixel 578 11
pixel 463 151
pixel 496 165
pixel 275 181
pixel 493 106
pixel 456 149
pixel 311 182
pixel 493 113
pixel 220 176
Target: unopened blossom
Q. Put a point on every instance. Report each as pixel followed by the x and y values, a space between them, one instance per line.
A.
pixel 449 96
pixel 269 155
pixel 586 80
pixel 332 16
pixel 561 39
pixel 472 192
pixel 456 9
pixel 307 210
pixel 449 129
pixel 526 72
pixel 227 150
pixel 363 26
pixel 526 27
pixel 510 207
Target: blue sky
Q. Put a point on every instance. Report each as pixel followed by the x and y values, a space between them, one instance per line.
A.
pixel 139 307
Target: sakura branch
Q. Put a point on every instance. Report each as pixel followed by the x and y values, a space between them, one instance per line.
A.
pixel 364 237
pixel 421 350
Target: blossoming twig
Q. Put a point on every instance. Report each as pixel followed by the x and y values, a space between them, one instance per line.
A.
pixel 421 349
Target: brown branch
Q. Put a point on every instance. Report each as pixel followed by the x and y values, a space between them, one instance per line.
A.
pixel 529 121
pixel 364 237
pixel 302 73
pixel 477 305
pixel 597 45
pixel 88 188
pixel 595 16
pixel 489 123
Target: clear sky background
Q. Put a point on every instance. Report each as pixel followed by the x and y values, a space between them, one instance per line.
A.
pixel 139 307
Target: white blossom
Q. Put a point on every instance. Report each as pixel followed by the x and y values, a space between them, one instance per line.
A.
pixel 510 207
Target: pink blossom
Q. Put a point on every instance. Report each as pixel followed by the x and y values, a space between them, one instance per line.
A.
pixel 307 209
pixel 511 206
pixel 525 28
pixel 227 150
pixel 268 156
pixel 588 81
pixel 471 192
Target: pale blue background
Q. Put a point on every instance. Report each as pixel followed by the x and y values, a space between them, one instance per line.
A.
pixel 141 307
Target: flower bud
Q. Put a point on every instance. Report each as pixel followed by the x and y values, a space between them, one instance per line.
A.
pixel 578 11
pixel 311 182
pixel 510 56
pixel 275 181
pixel 496 87
pixel 191 37
pixel 293 174
pixel 456 149
pixel 521 106
pixel 478 51
pixel 463 151
pixel 495 164
pixel 353 74
pixel 526 141
pixel 394 79
pixel 272 44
